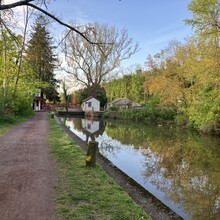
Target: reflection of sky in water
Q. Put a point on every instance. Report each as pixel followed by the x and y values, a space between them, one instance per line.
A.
pixel 133 163
pixel 179 167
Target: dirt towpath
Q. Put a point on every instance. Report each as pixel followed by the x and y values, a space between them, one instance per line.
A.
pixel 26 172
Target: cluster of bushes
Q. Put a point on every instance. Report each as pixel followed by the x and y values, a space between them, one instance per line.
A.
pixel 151 111
pixel 11 109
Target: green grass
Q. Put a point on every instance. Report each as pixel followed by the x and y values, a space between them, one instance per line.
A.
pixel 87 192
pixel 7 124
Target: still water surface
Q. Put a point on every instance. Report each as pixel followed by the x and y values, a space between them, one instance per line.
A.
pixel 179 167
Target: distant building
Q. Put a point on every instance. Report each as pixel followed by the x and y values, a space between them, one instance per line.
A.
pixel 39 102
pixel 122 103
pixel 90 104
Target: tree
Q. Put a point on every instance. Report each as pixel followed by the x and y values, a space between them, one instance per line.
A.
pixel 204 109
pixel 7 70
pixel 65 95
pixel 206 18
pixel 13 75
pixel 40 54
pixel 82 94
pixel 131 86
pixel 92 64
pixel 137 86
pixel 163 78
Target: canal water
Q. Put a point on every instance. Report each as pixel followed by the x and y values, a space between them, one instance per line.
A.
pixel 179 167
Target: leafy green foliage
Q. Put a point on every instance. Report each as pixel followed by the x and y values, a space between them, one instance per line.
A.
pixel 151 111
pixel 188 82
pixel 41 56
pixel 16 79
pixel 97 92
pixel 206 18
pixel 182 81
pixel 9 121
pixel 130 86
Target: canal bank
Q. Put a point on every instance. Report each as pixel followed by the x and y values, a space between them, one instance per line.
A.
pixel 154 207
pixel 177 166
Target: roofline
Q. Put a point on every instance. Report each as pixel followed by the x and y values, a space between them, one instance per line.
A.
pixel 90 97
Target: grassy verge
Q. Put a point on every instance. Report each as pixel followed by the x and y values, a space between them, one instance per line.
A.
pixel 7 124
pixel 85 192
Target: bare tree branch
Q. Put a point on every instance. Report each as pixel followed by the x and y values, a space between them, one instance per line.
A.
pixel 28 3
pixel 93 63
pixel 59 21
pixel 15 4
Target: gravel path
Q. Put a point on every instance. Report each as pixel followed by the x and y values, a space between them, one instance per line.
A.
pixel 27 176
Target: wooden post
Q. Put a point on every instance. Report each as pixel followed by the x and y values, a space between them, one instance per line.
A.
pixel 91 153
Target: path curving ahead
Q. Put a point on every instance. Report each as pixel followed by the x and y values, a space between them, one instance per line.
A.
pixel 26 172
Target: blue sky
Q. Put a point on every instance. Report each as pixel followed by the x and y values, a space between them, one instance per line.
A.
pixel 151 23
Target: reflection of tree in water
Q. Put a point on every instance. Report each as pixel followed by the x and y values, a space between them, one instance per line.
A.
pixel 125 132
pixel 63 120
pixel 185 172
pixel 76 121
pixel 118 135
pixel 182 164
pixel 110 146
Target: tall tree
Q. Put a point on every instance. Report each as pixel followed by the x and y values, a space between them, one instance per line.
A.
pixel 186 77
pixel 92 64
pixel 206 17
pixel 7 68
pixel 13 74
pixel 204 110
pixel 41 55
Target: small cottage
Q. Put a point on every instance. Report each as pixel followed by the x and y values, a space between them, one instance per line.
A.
pixel 39 102
pixel 122 103
pixel 90 104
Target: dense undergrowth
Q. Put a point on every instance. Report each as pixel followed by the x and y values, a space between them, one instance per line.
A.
pixel 7 122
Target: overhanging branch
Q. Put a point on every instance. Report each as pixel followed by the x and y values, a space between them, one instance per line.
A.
pixel 28 3
pixel 14 5
pixel 59 21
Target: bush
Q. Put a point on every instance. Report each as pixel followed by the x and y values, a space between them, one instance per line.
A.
pixel 181 120
pixel 113 108
pixel 23 106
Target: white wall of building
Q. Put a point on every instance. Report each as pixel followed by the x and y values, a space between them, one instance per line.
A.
pixel 91 105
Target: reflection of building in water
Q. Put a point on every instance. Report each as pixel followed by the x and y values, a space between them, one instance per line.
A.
pixel 92 128
pixel 90 125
